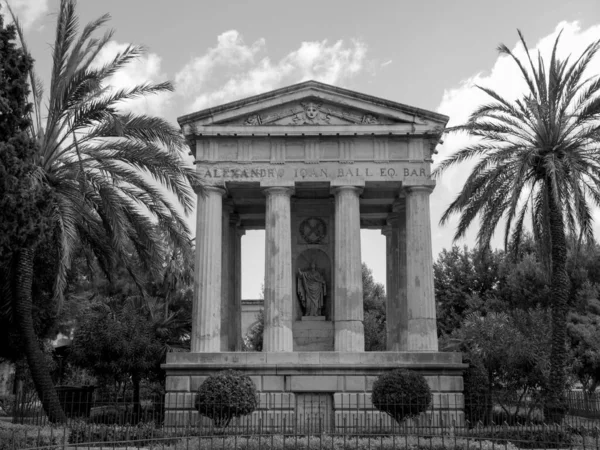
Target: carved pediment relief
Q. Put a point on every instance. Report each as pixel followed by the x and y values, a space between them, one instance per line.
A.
pixel 312 112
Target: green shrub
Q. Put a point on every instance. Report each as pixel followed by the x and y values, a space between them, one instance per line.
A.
pixel 478 404
pixel 325 442
pixel 226 395
pixel 7 404
pixel 534 437
pixel 142 434
pixel 13 436
pixel 401 394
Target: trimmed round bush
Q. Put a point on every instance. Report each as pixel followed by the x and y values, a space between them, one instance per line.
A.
pixel 226 395
pixel 401 394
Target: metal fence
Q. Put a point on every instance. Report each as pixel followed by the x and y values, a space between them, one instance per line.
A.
pixel 323 421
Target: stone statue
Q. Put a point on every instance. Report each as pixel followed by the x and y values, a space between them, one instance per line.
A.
pixel 311 291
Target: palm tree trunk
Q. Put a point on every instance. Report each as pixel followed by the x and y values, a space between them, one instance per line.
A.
pixel 560 292
pixel 35 358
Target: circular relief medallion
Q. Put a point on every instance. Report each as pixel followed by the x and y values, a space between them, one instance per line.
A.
pixel 313 230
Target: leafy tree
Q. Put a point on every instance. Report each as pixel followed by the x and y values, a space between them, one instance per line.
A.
pixel 113 174
pixel 26 205
pixel 374 312
pixel 539 154
pixel 463 280
pixel 119 341
pixel 583 331
pixel 512 350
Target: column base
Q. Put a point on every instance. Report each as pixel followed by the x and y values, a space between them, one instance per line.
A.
pixel 349 336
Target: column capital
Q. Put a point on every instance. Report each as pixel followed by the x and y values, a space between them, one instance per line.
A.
pixel 346 188
pixel 240 231
pixel 210 188
pixel 386 230
pixel 285 191
pixel 423 189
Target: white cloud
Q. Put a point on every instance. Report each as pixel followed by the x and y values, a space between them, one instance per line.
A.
pixel 29 11
pixel 506 79
pixel 233 69
pixel 145 69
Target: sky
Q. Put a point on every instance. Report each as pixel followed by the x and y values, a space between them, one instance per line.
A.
pixel 426 54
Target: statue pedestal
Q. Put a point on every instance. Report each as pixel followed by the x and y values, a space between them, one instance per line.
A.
pixel 313 334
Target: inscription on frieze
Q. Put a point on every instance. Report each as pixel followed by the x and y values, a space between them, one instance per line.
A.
pixel 314 172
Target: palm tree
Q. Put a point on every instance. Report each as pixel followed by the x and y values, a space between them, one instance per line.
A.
pixel 537 157
pixel 118 179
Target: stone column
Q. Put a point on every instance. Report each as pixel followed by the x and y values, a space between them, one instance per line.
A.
pixel 396 309
pixel 390 281
pixel 278 271
pixel 237 288
pixel 348 297
pixel 226 288
pixel 206 310
pixel 422 333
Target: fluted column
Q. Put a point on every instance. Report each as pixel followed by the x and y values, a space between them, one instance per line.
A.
pixel 396 308
pixel 422 333
pixel 389 282
pixel 237 288
pixel 206 310
pixel 226 288
pixel 348 297
pixel 277 335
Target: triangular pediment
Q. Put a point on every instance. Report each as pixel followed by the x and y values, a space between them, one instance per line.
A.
pixel 311 104
pixel 312 111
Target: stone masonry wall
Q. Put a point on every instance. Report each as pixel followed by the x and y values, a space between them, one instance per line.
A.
pixel 313 396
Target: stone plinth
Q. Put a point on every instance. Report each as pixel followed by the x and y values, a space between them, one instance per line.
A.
pixel 343 380
pixel 313 334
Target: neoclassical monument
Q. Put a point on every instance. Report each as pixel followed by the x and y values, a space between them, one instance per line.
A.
pixel 312 164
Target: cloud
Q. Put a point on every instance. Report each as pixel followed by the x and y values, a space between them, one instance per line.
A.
pixel 234 69
pixel 506 79
pixel 29 11
pixel 145 69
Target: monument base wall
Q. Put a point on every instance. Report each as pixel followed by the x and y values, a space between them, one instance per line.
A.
pixel 316 391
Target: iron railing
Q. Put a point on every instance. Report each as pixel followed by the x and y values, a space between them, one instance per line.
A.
pixel 279 420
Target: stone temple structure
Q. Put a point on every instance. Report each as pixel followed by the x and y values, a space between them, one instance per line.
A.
pixel 312 164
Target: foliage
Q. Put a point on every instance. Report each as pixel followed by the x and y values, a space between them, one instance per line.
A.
pixel 513 350
pixel 7 404
pixel 583 330
pixel 536 157
pixel 226 395
pixel 463 279
pixel 144 434
pixel 374 304
pixel 401 394
pixel 478 404
pixel 253 341
pixel 118 182
pixel 26 204
pixel 118 341
pixel 325 442
pixel 26 436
